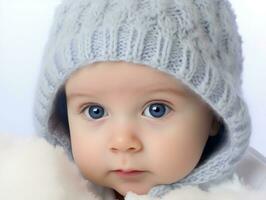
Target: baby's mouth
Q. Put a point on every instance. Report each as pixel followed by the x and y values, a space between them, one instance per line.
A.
pixel 128 173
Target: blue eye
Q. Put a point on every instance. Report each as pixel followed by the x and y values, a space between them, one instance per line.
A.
pixel 157 109
pixel 94 111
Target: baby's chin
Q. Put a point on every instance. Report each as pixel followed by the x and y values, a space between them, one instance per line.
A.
pixel 137 189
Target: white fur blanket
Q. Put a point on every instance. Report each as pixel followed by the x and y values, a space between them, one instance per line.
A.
pixel 31 169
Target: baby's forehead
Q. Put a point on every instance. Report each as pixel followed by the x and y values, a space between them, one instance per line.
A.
pixel 122 77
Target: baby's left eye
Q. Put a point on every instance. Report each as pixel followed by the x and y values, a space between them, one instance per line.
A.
pixel 157 110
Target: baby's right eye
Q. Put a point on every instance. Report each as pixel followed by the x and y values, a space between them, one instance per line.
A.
pixel 94 111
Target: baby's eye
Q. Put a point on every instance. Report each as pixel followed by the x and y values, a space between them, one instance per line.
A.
pixel 94 111
pixel 157 109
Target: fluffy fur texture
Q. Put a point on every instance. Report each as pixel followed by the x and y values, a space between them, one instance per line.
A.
pixel 31 169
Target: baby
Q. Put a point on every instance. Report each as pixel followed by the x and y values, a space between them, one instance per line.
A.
pixel 145 95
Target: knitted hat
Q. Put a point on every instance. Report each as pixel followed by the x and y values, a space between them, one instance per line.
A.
pixel 196 41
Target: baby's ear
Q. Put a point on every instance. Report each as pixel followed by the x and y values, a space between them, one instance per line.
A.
pixel 215 126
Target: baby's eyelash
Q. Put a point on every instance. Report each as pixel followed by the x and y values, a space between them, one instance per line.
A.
pixel 84 106
pixel 159 101
pixel 168 108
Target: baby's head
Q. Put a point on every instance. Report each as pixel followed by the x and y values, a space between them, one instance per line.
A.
pixel 153 86
pixel 133 117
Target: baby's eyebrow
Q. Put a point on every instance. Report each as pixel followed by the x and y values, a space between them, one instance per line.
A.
pixel 172 91
pixel 77 94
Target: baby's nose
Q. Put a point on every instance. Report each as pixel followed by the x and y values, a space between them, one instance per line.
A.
pixel 125 141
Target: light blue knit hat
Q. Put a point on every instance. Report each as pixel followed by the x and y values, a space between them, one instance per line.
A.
pixel 196 41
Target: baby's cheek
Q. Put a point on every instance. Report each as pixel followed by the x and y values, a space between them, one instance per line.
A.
pixel 175 159
pixel 88 160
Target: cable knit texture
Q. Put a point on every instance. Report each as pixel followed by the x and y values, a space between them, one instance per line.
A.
pixel 196 41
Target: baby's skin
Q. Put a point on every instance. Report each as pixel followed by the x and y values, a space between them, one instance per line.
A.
pixel 133 127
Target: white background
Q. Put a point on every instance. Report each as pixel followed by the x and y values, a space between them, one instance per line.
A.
pixel 24 26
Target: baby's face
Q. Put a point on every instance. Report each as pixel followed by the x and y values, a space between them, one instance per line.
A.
pixel 128 116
